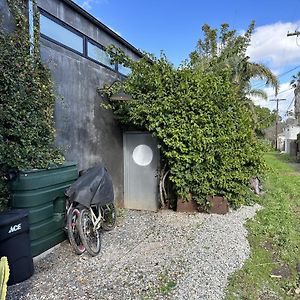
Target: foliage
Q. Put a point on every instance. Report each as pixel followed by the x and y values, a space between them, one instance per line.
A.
pixel 204 130
pixel 295 80
pixel 228 50
pixel 274 239
pixel 295 83
pixel 264 118
pixel 26 103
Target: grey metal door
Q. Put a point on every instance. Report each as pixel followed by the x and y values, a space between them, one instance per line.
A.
pixel 141 161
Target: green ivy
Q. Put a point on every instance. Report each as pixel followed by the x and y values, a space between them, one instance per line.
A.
pixel 205 130
pixel 26 103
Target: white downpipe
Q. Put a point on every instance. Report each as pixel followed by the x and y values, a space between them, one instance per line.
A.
pixel 31 25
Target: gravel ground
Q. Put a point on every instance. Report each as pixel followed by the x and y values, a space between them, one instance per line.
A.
pixel 164 255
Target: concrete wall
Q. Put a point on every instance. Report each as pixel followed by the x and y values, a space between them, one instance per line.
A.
pixel 6 18
pixel 86 132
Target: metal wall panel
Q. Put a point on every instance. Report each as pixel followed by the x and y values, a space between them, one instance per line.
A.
pixel 141 162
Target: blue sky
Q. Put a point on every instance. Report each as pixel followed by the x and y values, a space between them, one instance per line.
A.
pixel 175 26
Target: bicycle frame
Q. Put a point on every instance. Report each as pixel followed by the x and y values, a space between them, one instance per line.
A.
pixel 97 220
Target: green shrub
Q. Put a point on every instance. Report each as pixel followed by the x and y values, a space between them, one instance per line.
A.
pixel 205 131
pixel 26 104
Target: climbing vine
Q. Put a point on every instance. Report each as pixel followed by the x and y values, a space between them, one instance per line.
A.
pixel 26 103
pixel 204 129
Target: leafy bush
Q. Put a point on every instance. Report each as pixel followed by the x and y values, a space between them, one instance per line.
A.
pixel 205 131
pixel 26 104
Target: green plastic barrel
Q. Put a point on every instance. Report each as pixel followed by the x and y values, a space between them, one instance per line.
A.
pixel 41 191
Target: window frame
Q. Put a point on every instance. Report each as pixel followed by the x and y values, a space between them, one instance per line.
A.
pixel 85 40
pixel 91 41
pixel 66 26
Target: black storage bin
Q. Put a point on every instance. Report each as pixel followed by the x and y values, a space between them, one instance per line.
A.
pixel 15 244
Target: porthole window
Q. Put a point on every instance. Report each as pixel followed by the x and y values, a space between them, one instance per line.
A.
pixel 142 155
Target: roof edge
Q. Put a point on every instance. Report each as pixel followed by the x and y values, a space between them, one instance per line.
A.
pixel 105 28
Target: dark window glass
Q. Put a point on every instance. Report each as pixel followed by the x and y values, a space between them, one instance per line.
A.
pixel 61 34
pixel 99 54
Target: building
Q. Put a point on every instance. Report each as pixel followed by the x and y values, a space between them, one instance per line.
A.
pixel 72 45
pixel 289 139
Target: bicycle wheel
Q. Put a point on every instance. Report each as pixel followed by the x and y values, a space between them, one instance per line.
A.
pixel 73 233
pixel 109 216
pixel 90 238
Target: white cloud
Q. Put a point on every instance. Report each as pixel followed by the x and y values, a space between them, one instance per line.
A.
pixel 270 45
pixel 88 4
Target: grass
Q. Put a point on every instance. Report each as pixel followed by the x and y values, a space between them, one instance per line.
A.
pixel 167 285
pixel 274 237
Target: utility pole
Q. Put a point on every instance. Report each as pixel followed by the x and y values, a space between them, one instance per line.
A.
pixel 297 33
pixel 277 119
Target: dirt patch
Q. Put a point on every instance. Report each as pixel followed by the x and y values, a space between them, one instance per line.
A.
pixel 268 246
pixel 298 269
pixel 283 272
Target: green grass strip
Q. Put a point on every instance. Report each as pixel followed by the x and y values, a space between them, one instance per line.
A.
pixel 274 237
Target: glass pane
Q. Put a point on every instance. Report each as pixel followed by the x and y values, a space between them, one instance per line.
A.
pixel 124 70
pixel 61 34
pixel 99 55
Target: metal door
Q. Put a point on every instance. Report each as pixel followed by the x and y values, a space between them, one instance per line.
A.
pixel 141 160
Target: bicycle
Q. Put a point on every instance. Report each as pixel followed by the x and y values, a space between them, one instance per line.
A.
pixel 91 209
pixel 72 216
pixel 90 222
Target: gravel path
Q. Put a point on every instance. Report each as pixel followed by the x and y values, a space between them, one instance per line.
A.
pixel 164 255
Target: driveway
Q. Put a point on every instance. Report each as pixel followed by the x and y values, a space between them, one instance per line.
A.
pixel 164 255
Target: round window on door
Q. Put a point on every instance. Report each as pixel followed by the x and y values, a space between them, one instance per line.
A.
pixel 142 155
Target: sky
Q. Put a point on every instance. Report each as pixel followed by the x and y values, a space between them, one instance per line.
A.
pixel 175 27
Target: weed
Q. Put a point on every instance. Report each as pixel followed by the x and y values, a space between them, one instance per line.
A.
pixel 121 214
pixel 167 284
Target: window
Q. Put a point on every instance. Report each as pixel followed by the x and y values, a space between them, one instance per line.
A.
pixel 98 54
pixel 124 70
pixel 61 34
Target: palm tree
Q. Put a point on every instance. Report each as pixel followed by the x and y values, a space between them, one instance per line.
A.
pixel 229 51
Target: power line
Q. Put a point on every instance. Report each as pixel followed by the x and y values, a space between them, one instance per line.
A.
pixel 293 99
pixel 282 92
pixel 259 85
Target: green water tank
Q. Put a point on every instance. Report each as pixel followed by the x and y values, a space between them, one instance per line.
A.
pixel 41 191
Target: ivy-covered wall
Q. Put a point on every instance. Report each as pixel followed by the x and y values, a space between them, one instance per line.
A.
pixel 27 100
pixel 204 128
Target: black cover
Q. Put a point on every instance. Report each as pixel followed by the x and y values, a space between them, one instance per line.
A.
pixel 93 187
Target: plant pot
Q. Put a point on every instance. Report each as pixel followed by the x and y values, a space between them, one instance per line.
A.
pixel 187 206
pixel 218 205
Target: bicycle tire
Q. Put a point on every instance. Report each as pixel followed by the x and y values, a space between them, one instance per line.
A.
pixel 91 238
pixel 109 217
pixel 73 234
